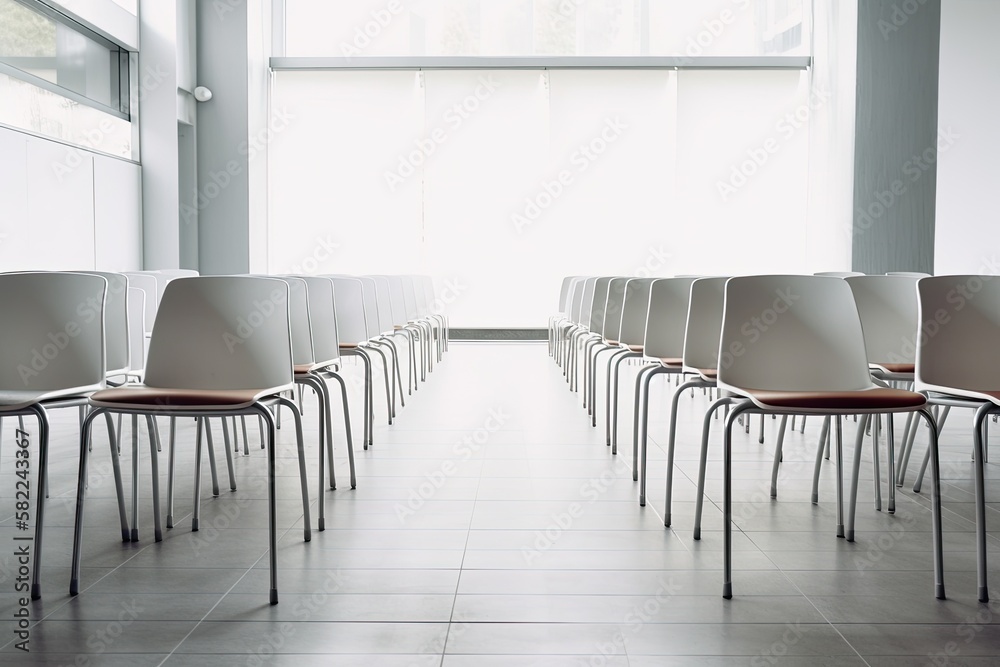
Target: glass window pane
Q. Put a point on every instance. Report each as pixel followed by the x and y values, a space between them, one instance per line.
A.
pixel 58 53
pixel 43 112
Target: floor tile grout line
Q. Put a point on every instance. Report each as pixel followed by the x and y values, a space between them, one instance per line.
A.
pixel 461 568
pixel 809 600
pixel 208 613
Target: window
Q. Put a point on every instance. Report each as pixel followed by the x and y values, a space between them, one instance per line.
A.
pixel 502 182
pixel 50 51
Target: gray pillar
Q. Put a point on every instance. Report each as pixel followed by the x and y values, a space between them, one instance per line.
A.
pixel 231 152
pixel 895 150
pixel 157 96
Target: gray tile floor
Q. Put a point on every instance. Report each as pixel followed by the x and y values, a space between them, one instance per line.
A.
pixel 491 526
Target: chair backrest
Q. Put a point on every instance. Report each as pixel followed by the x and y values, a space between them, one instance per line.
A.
pixel 164 276
pixel 430 299
pixel 576 304
pixel 136 333
pixel 147 283
pixel 571 293
pixel 613 309
pixel 323 316
pixel 52 328
pixel 409 298
pixel 397 300
pixel 792 333
pixel 349 301
pixel 116 323
pixel 704 323
pixel 598 308
pixel 368 292
pixel 300 320
pixel 583 317
pixel 838 274
pixel 222 332
pixel 564 290
pixel 887 306
pixel 635 310
pixel 668 306
pixel 959 320
pixel 419 296
pixel 384 297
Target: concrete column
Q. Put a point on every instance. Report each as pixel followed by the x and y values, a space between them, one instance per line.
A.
pixel 233 45
pixel 157 97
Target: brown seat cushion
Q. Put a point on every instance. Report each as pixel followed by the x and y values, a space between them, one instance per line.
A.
pixel 152 397
pixel 898 368
pixel 867 399
pixel 671 361
pixel 302 369
pixel 349 346
pixel 611 342
pixel 710 373
pixel 635 348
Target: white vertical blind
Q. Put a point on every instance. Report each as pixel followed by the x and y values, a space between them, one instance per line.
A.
pixel 334 207
pixel 502 182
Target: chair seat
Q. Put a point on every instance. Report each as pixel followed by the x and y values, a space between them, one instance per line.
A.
pixel 11 401
pixel 897 368
pixel 611 342
pixel 349 346
pixel 302 369
pixel 874 399
pixel 177 399
pixel 671 361
pixel 635 348
pixel 708 373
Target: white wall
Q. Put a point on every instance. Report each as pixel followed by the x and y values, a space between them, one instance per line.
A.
pixel 66 208
pixel 967 237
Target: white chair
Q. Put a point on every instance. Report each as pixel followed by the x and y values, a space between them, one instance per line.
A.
pixel 352 332
pixel 53 357
pixel 581 330
pixel 377 345
pixel 326 350
pixel 699 359
pixel 958 366
pixel 400 327
pixel 560 321
pixel 442 320
pixel 663 346
pixel 147 283
pixel 610 331
pixel 118 355
pixel 221 346
pixel 164 276
pixel 136 307
pixel 887 306
pixel 422 337
pixel 631 337
pixel 564 290
pixel 567 323
pixel 388 323
pixel 418 299
pixel 811 360
pixel 595 326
